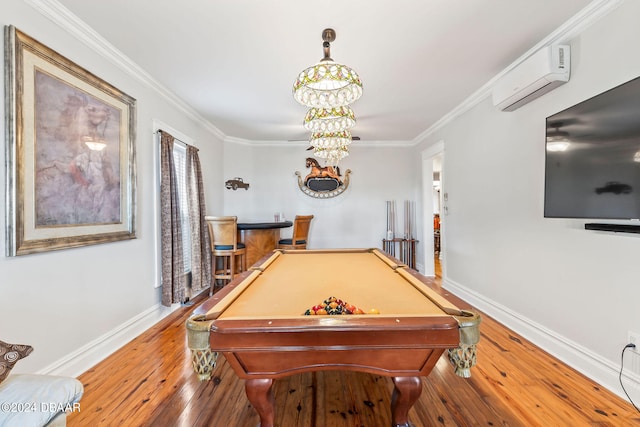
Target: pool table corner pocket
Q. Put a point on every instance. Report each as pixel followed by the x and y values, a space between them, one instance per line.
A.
pixel 202 357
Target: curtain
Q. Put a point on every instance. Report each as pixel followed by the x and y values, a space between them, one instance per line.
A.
pixel 173 278
pixel 200 241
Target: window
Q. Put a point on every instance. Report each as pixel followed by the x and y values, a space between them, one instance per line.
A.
pixel 180 165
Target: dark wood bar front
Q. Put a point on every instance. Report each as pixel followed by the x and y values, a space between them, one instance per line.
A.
pixel 260 238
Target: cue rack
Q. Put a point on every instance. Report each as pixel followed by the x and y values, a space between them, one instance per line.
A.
pixel 401 247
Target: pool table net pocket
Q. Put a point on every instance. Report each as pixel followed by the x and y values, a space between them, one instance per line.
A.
pixel 464 357
pixel 202 357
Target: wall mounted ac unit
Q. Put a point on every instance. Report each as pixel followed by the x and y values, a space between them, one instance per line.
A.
pixel 543 71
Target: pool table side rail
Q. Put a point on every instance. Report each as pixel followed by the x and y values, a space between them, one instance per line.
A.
pixel 354 323
pixel 374 337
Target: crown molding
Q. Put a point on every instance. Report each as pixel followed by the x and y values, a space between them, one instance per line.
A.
pixel 563 34
pixel 61 16
pixel 301 143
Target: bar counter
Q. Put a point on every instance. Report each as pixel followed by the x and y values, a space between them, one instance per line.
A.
pixel 260 238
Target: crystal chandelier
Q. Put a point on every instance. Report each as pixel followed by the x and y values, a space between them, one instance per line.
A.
pixel 327 84
pixel 328 88
pixel 331 155
pixel 329 120
pixel 331 140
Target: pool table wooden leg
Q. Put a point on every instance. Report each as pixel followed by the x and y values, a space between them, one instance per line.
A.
pixel 405 393
pixel 260 395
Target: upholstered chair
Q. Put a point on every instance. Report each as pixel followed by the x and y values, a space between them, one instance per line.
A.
pixel 229 256
pixel 300 234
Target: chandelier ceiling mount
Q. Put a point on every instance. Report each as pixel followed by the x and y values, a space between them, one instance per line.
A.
pixel 328 37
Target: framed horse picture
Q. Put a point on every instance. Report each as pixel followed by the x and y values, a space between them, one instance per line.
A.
pixel 323 181
pixel 70 152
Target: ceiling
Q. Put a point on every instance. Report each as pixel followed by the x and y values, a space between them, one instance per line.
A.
pixel 235 61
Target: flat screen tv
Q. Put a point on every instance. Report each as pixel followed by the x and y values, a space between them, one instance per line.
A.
pixel 592 167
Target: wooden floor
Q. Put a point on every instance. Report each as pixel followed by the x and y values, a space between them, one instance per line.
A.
pixel 150 382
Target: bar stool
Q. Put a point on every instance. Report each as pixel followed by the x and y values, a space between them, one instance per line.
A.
pixel 300 234
pixel 223 231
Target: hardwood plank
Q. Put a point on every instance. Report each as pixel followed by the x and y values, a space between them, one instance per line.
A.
pixel 541 382
pixel 370 397
pixel 353 399
pixel 293 397
pixel 149 382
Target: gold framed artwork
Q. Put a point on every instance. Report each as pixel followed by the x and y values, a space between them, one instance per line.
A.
pixel 70 152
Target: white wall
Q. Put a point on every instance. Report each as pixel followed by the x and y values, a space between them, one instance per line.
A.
pixel 572 291
pixel 356 218
pixel 74 306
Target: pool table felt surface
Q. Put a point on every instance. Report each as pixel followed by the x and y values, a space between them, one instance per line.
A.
pixel 294 281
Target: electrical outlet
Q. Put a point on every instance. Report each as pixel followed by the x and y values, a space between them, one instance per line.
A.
pixel 634 338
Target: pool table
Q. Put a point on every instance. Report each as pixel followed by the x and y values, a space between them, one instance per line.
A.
pixel 258 323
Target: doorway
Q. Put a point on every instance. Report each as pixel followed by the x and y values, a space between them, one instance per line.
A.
pixel 432 179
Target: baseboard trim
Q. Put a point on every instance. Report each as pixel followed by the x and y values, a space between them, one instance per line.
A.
pixel 601 370
pixel 97 350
